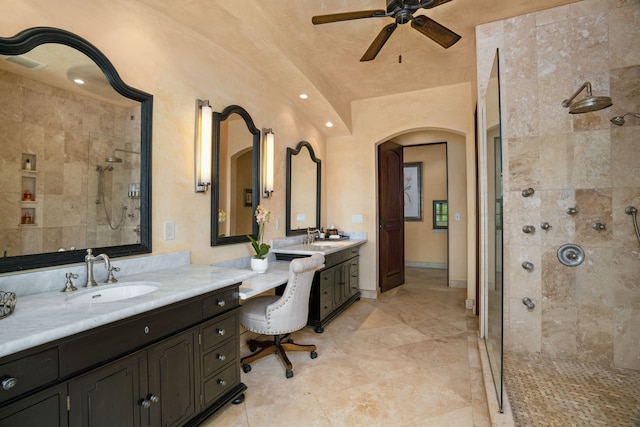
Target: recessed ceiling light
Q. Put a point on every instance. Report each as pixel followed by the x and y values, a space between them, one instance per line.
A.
pixel 304 96
pixel 329 124
pixel 79 81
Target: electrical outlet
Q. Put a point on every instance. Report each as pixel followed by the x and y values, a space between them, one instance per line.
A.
pixel 277 224
pixel 356 219
pixel 169 230
pixel 457 216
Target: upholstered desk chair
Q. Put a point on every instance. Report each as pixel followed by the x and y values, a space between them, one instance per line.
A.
pixel 280 315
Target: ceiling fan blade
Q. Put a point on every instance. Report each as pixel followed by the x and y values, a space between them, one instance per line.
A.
pixel 435 3
pixel 379 41
pixel 436 32
pixel 347 16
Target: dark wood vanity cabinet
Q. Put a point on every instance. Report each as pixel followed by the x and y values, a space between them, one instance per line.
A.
pixel 334 288
pixel 179 379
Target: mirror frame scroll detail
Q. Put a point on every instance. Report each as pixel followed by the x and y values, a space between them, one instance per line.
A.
pixel 31 38
pixel 219 117
pixel 290 153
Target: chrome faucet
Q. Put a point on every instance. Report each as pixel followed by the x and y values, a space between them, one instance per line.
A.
pixel 311 235
pixel 90 259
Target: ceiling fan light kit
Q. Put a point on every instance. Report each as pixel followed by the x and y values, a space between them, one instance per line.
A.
pixel 402 12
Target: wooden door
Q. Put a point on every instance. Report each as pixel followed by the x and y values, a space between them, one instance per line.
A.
pixel 47 408
pixel 391 215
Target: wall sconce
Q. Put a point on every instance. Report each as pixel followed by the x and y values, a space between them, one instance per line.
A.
pixel 203 146
pixel 268 143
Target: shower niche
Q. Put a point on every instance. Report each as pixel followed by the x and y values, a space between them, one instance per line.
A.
pixel 28 199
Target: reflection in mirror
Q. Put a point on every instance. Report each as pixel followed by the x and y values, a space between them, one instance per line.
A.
pixel 493 340
pixel 303 189
pixel 235 190
pixel 75 156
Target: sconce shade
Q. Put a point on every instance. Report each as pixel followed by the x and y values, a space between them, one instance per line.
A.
pixel 267 162
pixel 203 146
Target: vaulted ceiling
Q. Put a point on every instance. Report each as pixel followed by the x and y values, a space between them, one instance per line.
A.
pixel 277 36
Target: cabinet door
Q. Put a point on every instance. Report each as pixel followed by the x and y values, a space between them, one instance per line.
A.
pixel 110 396
pixel 44 409
pixel 351 277
pixel 172 386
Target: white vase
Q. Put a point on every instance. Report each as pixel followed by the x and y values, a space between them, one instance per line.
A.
pixel 259 265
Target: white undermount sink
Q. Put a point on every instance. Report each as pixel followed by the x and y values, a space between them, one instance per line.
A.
pixel 113 293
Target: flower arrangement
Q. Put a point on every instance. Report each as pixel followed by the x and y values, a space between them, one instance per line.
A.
pixel 261 248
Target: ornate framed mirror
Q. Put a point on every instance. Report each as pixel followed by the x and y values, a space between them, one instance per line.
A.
pixel 303 189
pixel 76 158
pixel 235 187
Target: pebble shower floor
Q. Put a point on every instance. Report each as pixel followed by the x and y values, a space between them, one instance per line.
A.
pixel 555 392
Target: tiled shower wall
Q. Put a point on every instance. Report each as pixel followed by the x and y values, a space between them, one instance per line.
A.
pixel 590 313
pixel 59 127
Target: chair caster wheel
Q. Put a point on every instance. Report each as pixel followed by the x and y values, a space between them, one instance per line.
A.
pixel 252 349
pixel 246 368
pixel 314 354
pixel 319 329
pixel 289 373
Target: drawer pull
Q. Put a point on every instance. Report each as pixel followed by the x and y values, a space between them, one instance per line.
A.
pixel 222 383
pixel 221 357
pixel 221 332
pixel 146 403
pixel 9 383
pixel 146 329
pixel 222 303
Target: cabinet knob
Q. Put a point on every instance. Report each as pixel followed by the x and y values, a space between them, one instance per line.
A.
pixel 221 332
pixel 221 303
pixel 9 383
pixel 146 403
pixel 221 357
pixel 222 383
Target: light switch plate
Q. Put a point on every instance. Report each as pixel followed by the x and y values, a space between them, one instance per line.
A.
pixel 356 219
pixel 169 230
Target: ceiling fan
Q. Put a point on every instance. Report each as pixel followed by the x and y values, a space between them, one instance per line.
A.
pixel 402 11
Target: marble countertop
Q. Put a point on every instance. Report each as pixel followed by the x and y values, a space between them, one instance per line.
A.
pixel 325 247
pixel 48 316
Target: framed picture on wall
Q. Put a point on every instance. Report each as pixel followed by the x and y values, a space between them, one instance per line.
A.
pixel 413 191
pixel 248 196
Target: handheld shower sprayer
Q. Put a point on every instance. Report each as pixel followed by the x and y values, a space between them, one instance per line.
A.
pixel 619 120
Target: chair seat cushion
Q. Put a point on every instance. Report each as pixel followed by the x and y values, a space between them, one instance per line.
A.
pixel 254 315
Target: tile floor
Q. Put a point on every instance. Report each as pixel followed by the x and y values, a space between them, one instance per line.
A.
pixel 409 358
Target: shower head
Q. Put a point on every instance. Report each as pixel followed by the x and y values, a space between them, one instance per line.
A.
pixel 588 104
pixel 116 159
pixel 630 210
pixel 619 120
pixel 113 160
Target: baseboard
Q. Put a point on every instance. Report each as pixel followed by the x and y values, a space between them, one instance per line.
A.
pixel 439 266
pixel 458 284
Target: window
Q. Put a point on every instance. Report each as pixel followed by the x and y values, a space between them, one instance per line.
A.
pixel 440 214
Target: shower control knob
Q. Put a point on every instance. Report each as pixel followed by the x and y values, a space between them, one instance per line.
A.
pixel 572 255
pixel 528 229
pixel 527 266
pixel 528 192
pixel 545 226
pixel 599 226
pixel 572 211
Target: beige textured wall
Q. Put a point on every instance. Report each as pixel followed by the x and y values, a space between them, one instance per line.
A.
pixel 352 175
pixel 590 312
pixel 422 243
pixel 177 66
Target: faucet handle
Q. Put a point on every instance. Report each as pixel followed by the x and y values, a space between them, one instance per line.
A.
pixel 111 278
pixel 69 285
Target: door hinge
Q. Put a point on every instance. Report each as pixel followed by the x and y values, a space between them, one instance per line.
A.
pixel 68 403
pixel 199 339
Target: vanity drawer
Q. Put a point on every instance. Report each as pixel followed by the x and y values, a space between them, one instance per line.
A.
pixel 221 383
pixel 27 373
pixel 219 330
pixel 218 357
pixel 221 301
